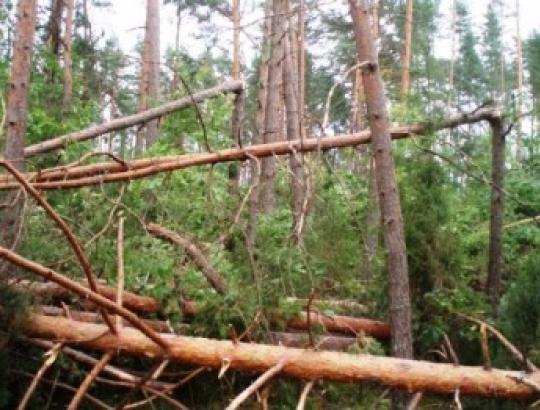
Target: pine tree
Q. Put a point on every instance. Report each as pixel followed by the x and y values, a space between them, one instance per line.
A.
pixel 493 50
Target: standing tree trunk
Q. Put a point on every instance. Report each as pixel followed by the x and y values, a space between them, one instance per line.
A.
pixel 54 26
pixel 519 73
pixel 149 88
pixel 19 82
pixel 68 74
pixel 407 46
pixel 238 110
pixel 452 54
pixel 273 118
pixel 394 238
pixel 495 262
pixel 297 177
pixel 17 104
pixel 255 165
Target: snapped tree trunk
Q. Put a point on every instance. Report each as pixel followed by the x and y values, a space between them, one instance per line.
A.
pixel 149 88
pixel 496 261
pixel 381 142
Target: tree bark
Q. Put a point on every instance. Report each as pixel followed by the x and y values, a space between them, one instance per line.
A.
pixel 54 26
pixel 407 50
pixel 16 116
pixel 394 238
pixel 131 120
pixel 495 257
pixel 68 73
pixel 294 132
pixel 19 86
pixel 272 120
pixel 132 301
pixel 149 89
pixel 404 374
pixel 108 172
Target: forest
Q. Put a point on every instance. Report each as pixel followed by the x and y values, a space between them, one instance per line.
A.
pixel 269 204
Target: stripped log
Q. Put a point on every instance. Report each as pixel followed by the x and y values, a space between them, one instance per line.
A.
pixel 411 375
pixel 109 172
pixel 131 120
pixel 92 317
pixel 132 301
pixel 193 251
pixel 335 324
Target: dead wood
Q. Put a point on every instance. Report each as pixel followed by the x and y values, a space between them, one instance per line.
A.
pixel 131 120
pixel 108 172
pixel 406 374
pixel 131 301
pixel 194 252
pixel 82 291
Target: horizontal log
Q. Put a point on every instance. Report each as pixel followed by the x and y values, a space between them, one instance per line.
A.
pixel 410 375
pixel 108 172
pixel 132 301
pixel 339 306
pixel 336 324
pixel 331 343
pixel 93 317
pixel 131 120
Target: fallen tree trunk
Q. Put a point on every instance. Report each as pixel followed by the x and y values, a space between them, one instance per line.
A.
pixel 411 375
pixel 92 317
pixel 108 172
pixel 331 343
pixel 339 306
pixel 194 252
pixel 335 324
pixel 131 120
pixel 132 301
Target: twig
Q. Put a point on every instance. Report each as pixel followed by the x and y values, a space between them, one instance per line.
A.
pixel 51 356
pixel 333 88
pixel 98 403
pixel 152 374
pixel 73 241
pixel 457 401
pixel 197 111
pixel 303 397
pixel 257 384
pixel 518 356
pixel 87 382
pixel 415 401
pixel 308 318
pixel 450 349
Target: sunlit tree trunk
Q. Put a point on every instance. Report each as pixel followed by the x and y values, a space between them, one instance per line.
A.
pixel 16 116
pixel 407 50
pixel 68 74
